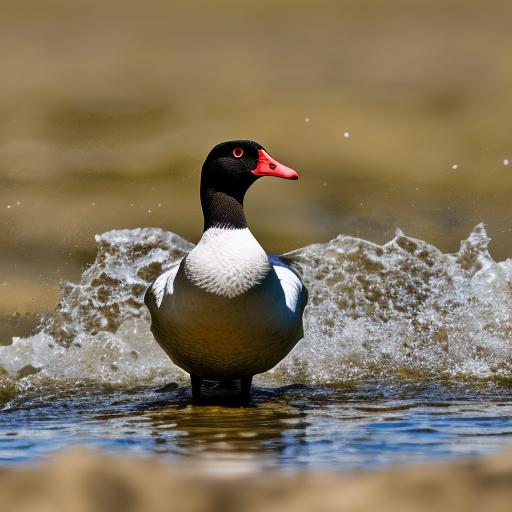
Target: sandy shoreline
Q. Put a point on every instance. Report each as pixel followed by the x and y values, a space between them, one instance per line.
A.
pixel 82 480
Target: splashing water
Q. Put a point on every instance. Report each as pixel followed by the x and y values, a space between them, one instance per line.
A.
pixel 406 309
pixel 401 309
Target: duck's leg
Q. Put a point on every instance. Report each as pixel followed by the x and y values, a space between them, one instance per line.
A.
pixel 196 382
pixel 245 389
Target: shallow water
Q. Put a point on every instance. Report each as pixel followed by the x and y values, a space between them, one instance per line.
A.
pixel 407 355
pixel 370 425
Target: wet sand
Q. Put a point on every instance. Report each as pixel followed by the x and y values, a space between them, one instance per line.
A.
pixel 92 481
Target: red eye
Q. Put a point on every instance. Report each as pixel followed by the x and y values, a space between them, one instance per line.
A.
pixel 238 152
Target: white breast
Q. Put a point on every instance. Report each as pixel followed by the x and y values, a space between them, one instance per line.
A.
pixel 227 262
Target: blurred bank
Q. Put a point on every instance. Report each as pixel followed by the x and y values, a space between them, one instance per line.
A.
pixel 395 114
pixel 85 481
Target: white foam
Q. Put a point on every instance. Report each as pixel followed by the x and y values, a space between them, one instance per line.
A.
pixel 403 308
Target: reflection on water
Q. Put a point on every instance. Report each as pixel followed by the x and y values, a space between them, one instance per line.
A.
pixel 263 433
pixel 368 425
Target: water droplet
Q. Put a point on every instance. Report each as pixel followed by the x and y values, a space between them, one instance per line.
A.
pixel 18 203
pixel 149 211
pixel 346 135
pixel 307 119
pixel 506 161
pixel 159 205
pixel 9 206
pixel 93 204
pixel 455 167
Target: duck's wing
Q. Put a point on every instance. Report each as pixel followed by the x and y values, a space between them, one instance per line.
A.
pixel 295 292
pixel 163 285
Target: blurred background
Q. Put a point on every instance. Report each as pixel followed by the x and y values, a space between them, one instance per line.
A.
pixel 395 113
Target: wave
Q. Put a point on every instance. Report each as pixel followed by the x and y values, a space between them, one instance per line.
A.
pixel 403 309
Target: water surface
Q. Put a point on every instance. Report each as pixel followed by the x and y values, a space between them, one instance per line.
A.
pixel 295 427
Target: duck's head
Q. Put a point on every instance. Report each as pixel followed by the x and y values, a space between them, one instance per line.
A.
pixel 228 171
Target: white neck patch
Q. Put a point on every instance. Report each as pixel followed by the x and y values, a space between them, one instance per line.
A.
pixel 227 262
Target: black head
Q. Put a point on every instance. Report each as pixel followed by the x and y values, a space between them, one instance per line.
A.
pixel 228 171
pixel 228 166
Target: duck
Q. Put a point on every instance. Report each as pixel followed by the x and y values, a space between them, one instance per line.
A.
pixel 228 310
